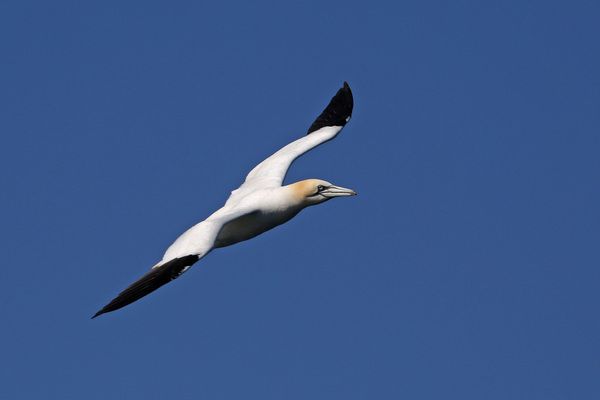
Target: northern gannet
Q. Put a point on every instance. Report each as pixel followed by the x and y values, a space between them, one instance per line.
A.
pixel 260 204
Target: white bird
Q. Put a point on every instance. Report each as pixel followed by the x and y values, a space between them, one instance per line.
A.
pixel 260 204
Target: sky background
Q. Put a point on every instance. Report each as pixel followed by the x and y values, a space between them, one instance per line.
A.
pixel 466 268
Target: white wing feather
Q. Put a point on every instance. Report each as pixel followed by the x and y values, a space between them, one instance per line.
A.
pixel 272 171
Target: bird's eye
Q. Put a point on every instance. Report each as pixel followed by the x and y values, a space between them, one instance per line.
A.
pixel 320 187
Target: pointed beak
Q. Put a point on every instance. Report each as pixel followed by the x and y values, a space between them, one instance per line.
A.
pixel 337 191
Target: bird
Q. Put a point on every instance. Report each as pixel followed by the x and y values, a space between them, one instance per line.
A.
pixel 261 203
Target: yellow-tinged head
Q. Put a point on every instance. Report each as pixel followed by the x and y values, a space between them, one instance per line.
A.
pixel 315 191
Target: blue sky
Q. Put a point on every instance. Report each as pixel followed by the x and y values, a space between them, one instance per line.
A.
pixel 466 267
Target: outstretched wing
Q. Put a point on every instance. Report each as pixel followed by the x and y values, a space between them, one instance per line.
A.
pixel 191 246
pixel 148 283
pixel 271 172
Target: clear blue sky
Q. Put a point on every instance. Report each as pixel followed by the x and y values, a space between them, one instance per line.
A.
pixel 466 268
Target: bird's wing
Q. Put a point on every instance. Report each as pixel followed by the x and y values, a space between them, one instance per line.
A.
pixel 271 172
pixel 191 246
pixel 148 283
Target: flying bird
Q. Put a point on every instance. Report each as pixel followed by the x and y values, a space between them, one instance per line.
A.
pixel 260 204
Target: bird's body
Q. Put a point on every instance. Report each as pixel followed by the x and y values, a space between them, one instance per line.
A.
pixel 275 209
pixel 258 205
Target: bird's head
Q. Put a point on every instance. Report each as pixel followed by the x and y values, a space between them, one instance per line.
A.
pixel 316 191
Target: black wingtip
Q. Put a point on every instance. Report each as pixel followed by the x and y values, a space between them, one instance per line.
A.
pixel 150 282
pixel 338 112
